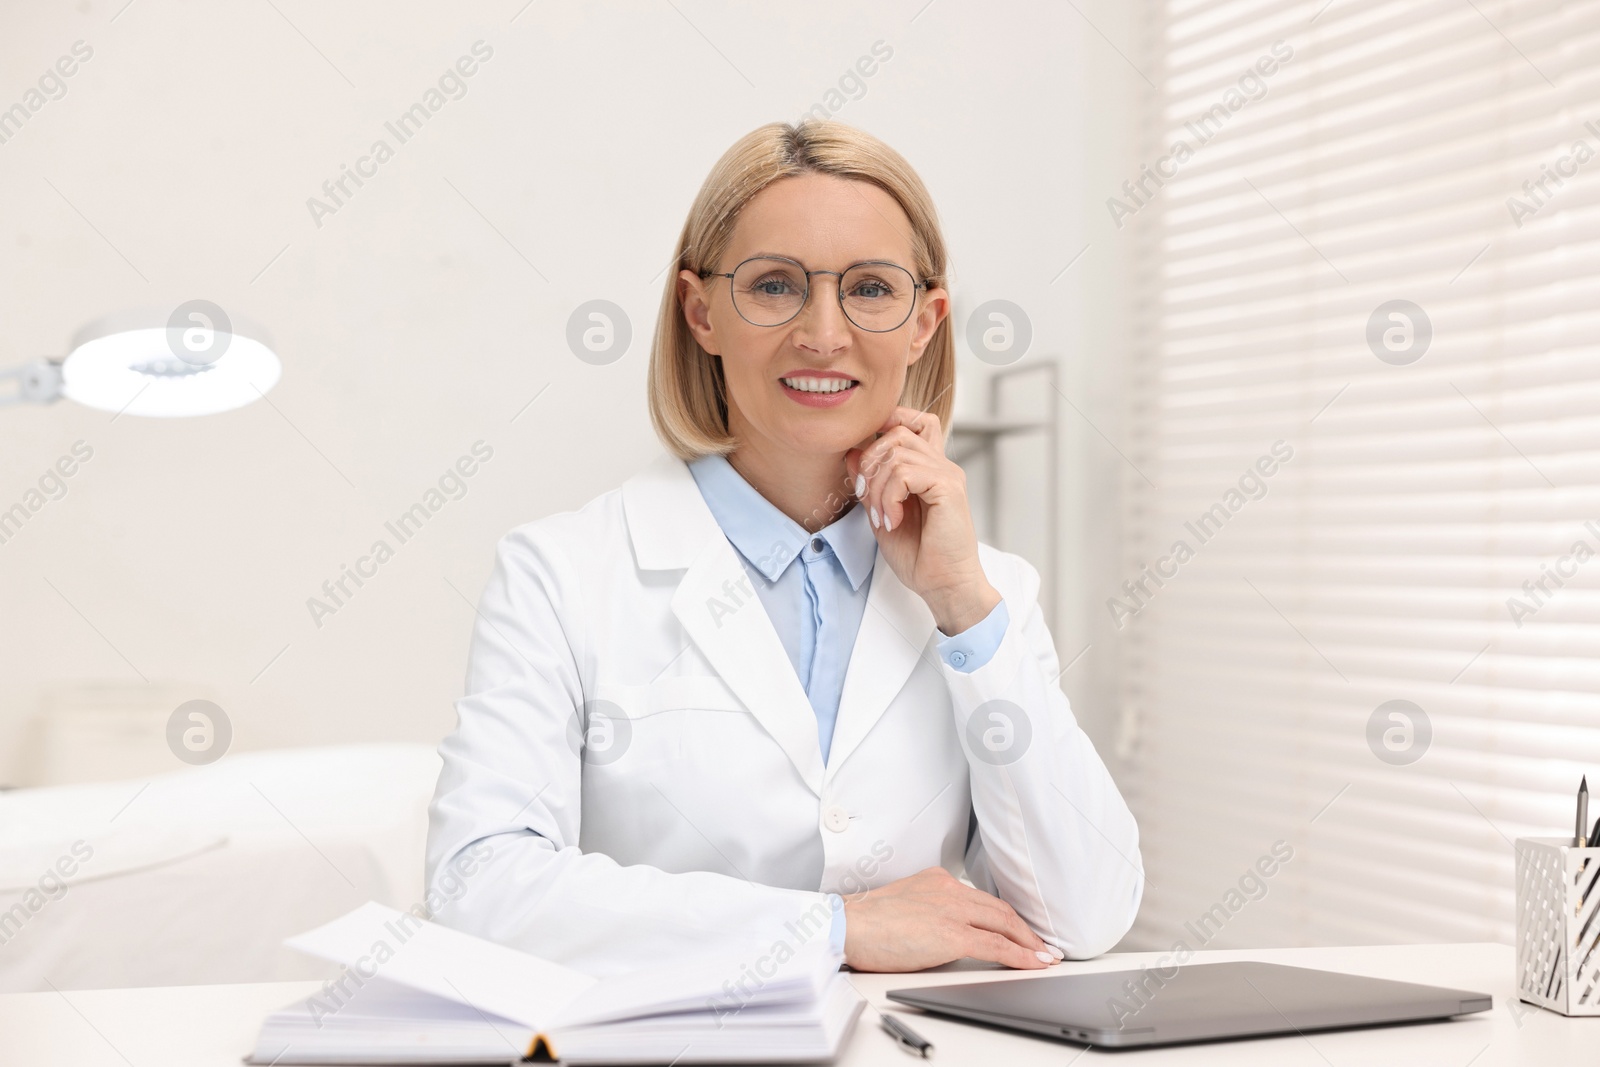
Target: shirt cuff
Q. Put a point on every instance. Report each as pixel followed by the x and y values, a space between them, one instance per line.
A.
pixel 977 644
pixel 836 936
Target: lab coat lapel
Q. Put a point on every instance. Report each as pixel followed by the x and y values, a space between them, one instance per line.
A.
pixel 671 527
pixel 892 640
pixel 717 605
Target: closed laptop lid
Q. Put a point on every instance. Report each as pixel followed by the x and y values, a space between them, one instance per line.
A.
pixel 1195 1002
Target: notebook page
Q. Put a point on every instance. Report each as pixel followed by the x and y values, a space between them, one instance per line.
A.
pixel 375 941
pixel 719 982
pixel 775 1034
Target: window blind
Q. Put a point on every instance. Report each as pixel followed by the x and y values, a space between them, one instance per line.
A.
pixel 1365 398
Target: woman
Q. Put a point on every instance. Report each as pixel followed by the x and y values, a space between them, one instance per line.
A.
pixel 773 686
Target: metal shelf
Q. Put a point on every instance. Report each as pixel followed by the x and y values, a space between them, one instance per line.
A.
pixel 976 440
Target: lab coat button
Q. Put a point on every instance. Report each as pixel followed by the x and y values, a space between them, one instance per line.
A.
pixel 817 544
pixel 836 819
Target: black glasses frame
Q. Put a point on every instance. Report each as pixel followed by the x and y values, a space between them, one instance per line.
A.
pixel 806 297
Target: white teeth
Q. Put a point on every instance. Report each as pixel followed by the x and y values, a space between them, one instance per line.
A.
pixel 818 385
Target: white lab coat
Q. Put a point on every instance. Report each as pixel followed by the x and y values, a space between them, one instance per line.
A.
pixel 704 808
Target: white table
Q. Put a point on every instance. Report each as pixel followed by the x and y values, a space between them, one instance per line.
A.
pixel 213 1026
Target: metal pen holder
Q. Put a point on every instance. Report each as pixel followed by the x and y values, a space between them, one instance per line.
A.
pixel 1558 931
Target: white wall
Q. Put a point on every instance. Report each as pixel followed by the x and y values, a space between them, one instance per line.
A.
pixel 178 165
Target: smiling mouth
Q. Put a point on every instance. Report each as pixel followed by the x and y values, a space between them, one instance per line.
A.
pixel 820 385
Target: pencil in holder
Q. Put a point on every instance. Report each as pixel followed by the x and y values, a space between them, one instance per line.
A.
pixel 1558 925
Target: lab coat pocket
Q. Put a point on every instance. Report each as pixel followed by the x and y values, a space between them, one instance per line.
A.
pixel 689 780
pixel 645 725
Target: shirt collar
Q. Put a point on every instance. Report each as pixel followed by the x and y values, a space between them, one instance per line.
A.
pixel 768 538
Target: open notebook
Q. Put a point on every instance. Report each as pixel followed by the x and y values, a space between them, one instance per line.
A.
pixel 414 992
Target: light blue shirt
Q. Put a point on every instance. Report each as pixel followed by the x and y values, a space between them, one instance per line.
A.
pixel 816 607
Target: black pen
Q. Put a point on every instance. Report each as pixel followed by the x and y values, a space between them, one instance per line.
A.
pixel 1578 837
pixel 906 1037
pixel 1594 835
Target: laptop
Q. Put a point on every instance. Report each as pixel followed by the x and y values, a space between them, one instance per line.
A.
pixel 1194 1002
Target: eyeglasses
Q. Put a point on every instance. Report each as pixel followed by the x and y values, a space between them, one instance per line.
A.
pixel 876 296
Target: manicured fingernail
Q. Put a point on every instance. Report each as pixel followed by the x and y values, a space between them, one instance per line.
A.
pixel 1045 957
pixel 887 525
pixel 1058 953
pixel 872 513
pixel 861 485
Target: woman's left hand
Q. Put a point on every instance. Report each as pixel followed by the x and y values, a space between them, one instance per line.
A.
pixel 917 505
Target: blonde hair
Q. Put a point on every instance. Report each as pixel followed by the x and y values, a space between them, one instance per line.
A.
pixel 688 400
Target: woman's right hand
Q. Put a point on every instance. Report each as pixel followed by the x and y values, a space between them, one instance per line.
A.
pixel 931 918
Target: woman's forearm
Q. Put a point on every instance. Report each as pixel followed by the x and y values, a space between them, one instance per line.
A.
pixel 586 911
pixel 1055 838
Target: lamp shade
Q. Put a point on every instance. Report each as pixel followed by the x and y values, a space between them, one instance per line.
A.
pixel 192 361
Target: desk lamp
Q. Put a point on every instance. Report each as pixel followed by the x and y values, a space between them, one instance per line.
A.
pixel 193 361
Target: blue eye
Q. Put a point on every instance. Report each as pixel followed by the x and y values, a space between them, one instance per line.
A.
pixel 871 289
pixel 774 285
